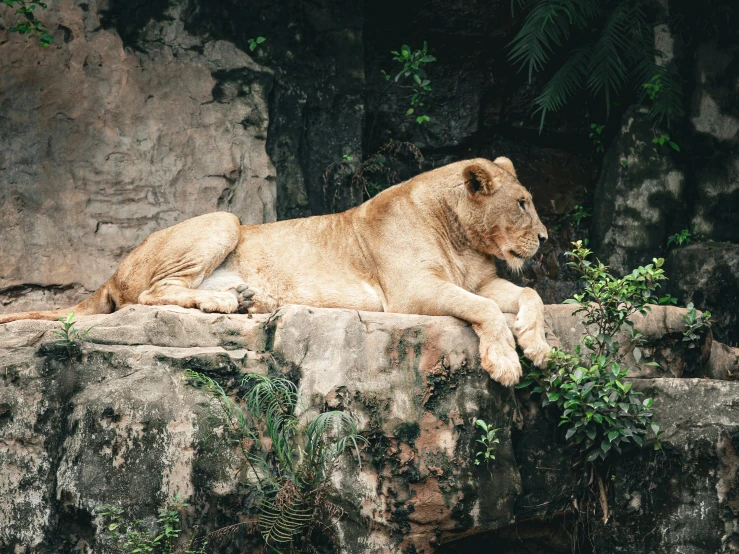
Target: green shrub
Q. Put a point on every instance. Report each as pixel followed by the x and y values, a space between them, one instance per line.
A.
pixel 695 324
pixel 598 407
pixel 488 442
pixel 683 237
pixel 135 537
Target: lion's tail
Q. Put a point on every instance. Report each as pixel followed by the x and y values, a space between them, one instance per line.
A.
pixel 100 302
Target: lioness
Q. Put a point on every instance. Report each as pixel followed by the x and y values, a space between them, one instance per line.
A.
pixel 425 246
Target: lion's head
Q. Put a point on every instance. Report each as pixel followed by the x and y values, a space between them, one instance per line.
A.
pixel 498 213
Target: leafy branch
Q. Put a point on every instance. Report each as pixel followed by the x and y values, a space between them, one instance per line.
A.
pixel 29 24
pixel 413 62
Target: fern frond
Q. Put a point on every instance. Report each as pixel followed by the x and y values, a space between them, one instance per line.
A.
pixel 273 400
pixel 546 27
pixel 284 515
pixel 567 80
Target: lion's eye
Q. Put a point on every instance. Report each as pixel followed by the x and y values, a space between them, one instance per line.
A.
pixel 522 204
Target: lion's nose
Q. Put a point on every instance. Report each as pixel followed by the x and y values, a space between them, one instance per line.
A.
pixel 542 239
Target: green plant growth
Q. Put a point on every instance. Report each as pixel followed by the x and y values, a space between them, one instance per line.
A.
pixel 378 171
pixel 28 23
pixel 596 137
pixel 578 214
pixel 696 323
pixel 488 440
pixel 679 239
pixel 606 46
pixel 69 336
pixel 288 464
pixel 599 409
pixel 608 302
pixel 663 139
pixel 413 62
pixel 136 537
pixel 254 42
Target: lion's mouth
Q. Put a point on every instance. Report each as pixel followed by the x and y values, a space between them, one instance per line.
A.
pixel 517 255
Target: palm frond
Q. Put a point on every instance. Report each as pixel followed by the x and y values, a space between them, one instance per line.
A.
pixel 546 27
pixel 567 80
pixel 666 103
pixel 285 514
pixel 328 436
pixel 607 68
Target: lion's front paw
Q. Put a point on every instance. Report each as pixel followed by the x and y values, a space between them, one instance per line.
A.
pixel 500 360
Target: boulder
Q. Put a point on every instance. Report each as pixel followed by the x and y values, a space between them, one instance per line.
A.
pixel 114 422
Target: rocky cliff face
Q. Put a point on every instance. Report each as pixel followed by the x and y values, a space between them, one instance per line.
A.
pixel 100 145
pixel 116 423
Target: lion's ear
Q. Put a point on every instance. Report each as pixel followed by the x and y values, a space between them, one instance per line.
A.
pixel 506 164
pixel 479 180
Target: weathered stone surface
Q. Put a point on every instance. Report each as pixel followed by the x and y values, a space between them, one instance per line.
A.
pixel 707 274
pixel 416 387
pixel 680 499
pixel 639 192
pixel 118 424
pixel 715 118
pixel 684 498
pixel 100 145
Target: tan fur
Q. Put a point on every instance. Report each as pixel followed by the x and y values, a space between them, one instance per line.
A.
pixel 425 246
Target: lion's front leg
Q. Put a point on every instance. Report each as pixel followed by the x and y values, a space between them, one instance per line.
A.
pixel 529 327
pixel 437 297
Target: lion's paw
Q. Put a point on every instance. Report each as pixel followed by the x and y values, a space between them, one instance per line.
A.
pixel 500 360
pixel 219 302
pixel 244 297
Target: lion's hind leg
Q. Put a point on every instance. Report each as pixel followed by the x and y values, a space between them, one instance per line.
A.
pixel 171 291
pixel 184 256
